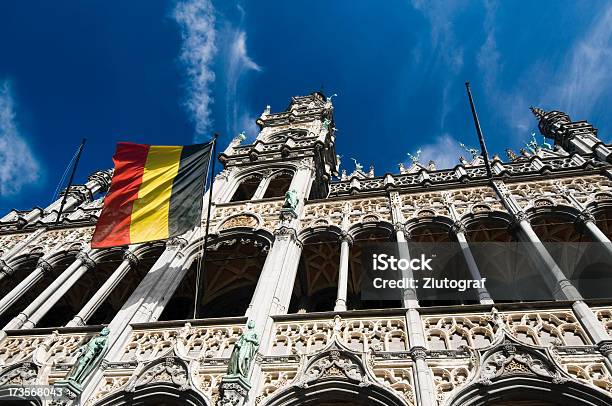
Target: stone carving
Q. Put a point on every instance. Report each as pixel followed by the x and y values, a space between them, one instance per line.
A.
pixel 307 337
pixel 448 379
pixel 171 370
pixel 17 349
pixel 244 352
pixel 86 260
pixel 131 258
pixel 512 359
pixel 333 364
pixel 21 374
pixel 479 331
pixel 243 220
pixel 88 357
pixel 102 178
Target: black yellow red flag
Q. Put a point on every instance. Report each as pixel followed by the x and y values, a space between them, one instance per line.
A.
pixel 156 193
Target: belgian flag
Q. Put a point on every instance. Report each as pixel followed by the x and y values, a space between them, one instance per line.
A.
pixel 156 193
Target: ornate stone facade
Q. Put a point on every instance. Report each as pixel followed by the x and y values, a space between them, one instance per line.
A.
pixel 297 278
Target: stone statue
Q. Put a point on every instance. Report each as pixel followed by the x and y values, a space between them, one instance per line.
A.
pixel 88 356
pixel 358 166
pixel 474 152
pixel 291 200
pixel 244 352
pixel 534 146
pixel 414 158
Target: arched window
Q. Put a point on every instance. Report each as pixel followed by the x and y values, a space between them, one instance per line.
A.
pixel 279 184
pixel 228 280
pixel 247 187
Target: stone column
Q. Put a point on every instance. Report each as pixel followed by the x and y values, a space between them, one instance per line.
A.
pixel 20 320
pixel 263 185
pixel 586 223
pixel 410 299
pixel 553 276
pixel 343 272
pixel 458 230
pixel 275 284
pixel 274 288
pixel 424 390
pixel 37 310
pixel 551 273
pixel 139 306
pixel 130 261
pixel 222 184
pixel 42 267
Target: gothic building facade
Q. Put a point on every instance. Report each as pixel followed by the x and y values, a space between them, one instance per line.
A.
pixel 293 274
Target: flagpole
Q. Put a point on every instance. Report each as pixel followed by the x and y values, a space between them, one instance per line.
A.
pixel 483 146
pixel 202 261
pixel 76 162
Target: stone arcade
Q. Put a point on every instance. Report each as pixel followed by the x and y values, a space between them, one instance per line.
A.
pixel 289 264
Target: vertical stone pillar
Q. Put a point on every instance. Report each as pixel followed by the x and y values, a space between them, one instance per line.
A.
pixel 586 223
pixel 36 311
pixel 553 276
pixel 138 307
pixel 130 262
pixel 458 230
pixel 42 267
pixel 425 391
pixel 263 185
pixel 275 285
pixel 424 384
pixel 23 317
pixel 551 273
pixel 343 270
pixel 223 186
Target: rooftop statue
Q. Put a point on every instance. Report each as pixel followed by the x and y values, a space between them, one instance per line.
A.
pixel 88 357
pixel 326 123
pixel 474 152
pixel 244 352
pixel 358 166
pixel 534 146
pixel 414 158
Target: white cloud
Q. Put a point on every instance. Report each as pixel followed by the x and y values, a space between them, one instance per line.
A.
pixel 197 21
pixel 440 15
pixel 202 43
pixel 488 57
pixel 575 83
pixel 238 63
pixel 587 74
pixel 17 164
pixel 444 151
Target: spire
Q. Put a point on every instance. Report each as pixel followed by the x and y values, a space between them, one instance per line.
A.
pixel 538 112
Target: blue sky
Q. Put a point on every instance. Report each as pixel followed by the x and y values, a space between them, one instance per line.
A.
pixel 171 72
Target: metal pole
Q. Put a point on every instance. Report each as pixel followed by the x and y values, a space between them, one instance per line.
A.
pixel 70 181
pixel 203 259
pixel 483 147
